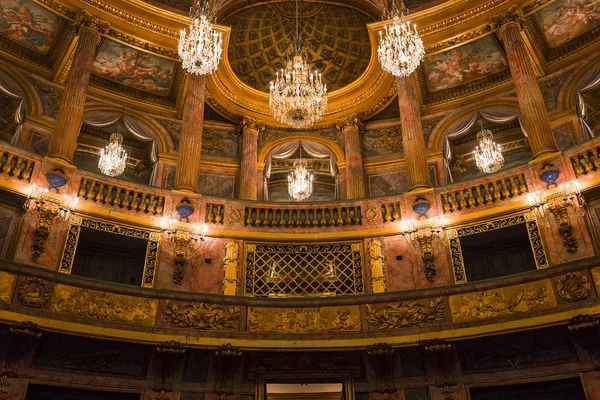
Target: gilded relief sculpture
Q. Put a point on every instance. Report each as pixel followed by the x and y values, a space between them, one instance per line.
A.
pixel 377 266
pixel 47 213
pixel 230 282
pixel 181 239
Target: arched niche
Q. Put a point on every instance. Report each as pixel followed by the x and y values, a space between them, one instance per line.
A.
pixel 17 99
pixel 583 94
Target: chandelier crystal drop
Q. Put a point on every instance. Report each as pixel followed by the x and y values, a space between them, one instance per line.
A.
pixel 201 48
pixel 488 155
pixel 298 97
pixel 300 181
pixel 401 49
pixel 113 158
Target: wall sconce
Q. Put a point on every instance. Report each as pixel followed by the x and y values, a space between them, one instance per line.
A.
pixel 182 234
pixel 561 201
pixel 46 206
pixel 425 233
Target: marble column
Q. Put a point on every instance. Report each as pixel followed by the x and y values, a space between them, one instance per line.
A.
pixel 70 109
pixel 533 108
pixel 249 181
pixel 415 157
pixel 355 176
pixel 190 142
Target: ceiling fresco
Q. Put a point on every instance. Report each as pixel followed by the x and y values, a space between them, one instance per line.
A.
pixel 29 24
pixel 563 20
pixel 134 68
pixel 335 37
pixel 467 63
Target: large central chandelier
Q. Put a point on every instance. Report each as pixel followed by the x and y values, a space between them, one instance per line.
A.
pixel 488 155
pixel 298 97
pixel 200 49
pixel 300 181
pixel 113 158
pixel 400 48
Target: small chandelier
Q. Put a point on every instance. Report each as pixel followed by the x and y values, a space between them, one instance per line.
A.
pixel 401 50
pixel 200 50
pixel 488 155
pixel 113 158
pixel 298 97
pixel 300 181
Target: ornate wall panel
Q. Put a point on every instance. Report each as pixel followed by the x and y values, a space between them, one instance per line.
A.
pixel 39 142
pixel 219 142
pixel 216 185
pixel 394 183
pixel 303 270
pixel 50 97
pixel 564 136
pixel 305 320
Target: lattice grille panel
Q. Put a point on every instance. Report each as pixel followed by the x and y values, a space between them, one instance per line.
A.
pixel 303 270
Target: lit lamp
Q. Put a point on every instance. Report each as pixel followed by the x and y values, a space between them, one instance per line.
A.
pixel 561 201
pixel 46 206
pixel 182 234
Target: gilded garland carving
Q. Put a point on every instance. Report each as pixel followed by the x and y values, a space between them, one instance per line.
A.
pixel 47 212
pixel 304 320
pixel 574 286
pixel 502 302
pixel 34 292
pixel 181 239
pixel 201 316
pixel 425 240
pixel 405 313
pixel 104 306
pixel 560 209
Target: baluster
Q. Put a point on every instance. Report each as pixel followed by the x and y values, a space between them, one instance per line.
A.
pixel 577 165
pixel 218 217
pixel 587 165
pixel 210 218
pixel 331 221
pixel 26 174
pixel 139 199
pixel 257 220
pixel 445 203
pixel 82 192
pixel 160 205
pixel 596 153
pixel 497 191
pixel 387 216
pixel 455 206
pixel 322 221
pixel 348 219
pixel 339 221
pixel 505 192
pixel 396 214
pixel 7 168
pixel 17 169
pixel 522 185
pixel 471 200
pixel 281 221
pixel 356 216
pixel 488 195
pixel 479 197
pixel 303 217
pixel 100 193
pixel 150 204
pixel 514 189
pixel 315 218
pixel 462 202
pixel 109 196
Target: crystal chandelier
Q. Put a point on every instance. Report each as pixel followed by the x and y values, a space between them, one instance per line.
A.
pixel 297 97
pixel 300 181
pixel 113 158
pixel 400 49
pixel 488 155
pixel 200 50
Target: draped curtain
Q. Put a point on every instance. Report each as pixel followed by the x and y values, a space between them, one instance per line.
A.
pixel 496 115
pixel 11 88
pixel 139 130
pixel 287 149
pixel 591 80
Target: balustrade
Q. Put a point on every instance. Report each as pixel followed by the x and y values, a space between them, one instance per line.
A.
pixel 215 213
pixel 118 196
pixel 15 166
pixel 484 193
pixel 303 217
pixel 390 212
pixel 586 161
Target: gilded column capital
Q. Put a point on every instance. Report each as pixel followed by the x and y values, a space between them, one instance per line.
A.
pixel 507 17
pixel 348 121
pixel 87 20
pixel 251 123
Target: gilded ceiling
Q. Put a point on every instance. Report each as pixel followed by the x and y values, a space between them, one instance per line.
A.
pixel 335 36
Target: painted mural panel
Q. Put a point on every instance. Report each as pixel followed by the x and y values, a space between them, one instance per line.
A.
pixel 134 68
pixel 562 20
pixel 29 23
pixel 464 64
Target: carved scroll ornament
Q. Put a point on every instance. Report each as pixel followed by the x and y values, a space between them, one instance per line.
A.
pixel 201 316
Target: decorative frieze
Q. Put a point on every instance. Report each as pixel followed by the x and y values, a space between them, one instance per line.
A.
pixel 405 313
pixel 304 320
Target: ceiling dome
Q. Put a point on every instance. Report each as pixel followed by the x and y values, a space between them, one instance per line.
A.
pixel 335 36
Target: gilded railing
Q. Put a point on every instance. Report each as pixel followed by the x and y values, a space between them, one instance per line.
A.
pixel 484 193
pixel 15 166
pixel 586 161
pixel 303 217
pixel 119 196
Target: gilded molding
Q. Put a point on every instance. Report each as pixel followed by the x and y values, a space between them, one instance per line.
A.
pixel 383 102
pixel 533 6
pixel 201 316
pixel 104 306
pixel 458 40
pixel 142 44
pixel 513 14
pixel 349 121
pixel 34 292
pixel 58 8
pixel 405 313
pixel 251 123
pixel 574 286
pixel 304 320
pixel 502 302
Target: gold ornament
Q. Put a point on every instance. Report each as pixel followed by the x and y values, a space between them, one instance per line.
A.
pixel 405 313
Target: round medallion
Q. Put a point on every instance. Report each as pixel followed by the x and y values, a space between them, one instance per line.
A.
pixel 574 286
pixel 34 292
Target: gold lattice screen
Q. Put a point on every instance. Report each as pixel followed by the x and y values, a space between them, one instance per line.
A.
pixel 303 270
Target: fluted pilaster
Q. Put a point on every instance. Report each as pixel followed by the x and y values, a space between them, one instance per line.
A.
pixel 355 176
pixel 190 143
pixel 70 109
pixel 248 169
pixel 415 157
pixel 531 102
